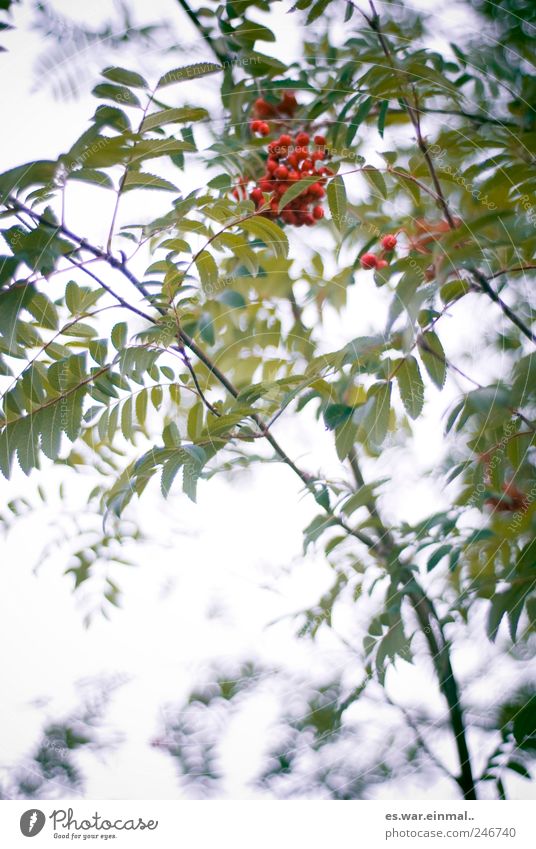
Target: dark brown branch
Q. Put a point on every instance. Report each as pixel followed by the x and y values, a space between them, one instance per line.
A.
pixel 431 627
pixel 220 55
pixel 491 293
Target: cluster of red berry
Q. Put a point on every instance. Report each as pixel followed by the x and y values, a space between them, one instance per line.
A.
pixel 290 158
pixel 388 244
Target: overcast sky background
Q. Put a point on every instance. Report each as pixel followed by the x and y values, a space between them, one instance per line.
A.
pixel 219 571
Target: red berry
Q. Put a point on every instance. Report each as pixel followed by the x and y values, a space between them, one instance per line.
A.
pixel 285 140
pixel 318 212
pixel 293 160
pixel 320 140
pixel 255 125
pixel 294 176
pixel 302 139
pixel 369 261
pixel 382 263
pixel 308 219
pixel 271 165
pixel 317 155
pixel 316 190
pixel 288 216
pixel 389 242
pixel 288 103
pixel 256 195
pixel 264 129
pixel 281 172
pixel 263 108
pixel 307 165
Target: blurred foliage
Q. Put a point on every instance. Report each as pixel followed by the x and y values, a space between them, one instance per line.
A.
pixel 53 768
pixel 311 750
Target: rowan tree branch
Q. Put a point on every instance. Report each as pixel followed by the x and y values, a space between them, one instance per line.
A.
pixel 483 282
pixel 204 31
pixel 432 628
pixel 385 548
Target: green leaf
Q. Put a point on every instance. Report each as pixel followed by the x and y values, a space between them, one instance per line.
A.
pixel 317 10
pixel 382 114
pixel 208 270
pixel 7 448
pixel 376 420
pixel 25 437
pixel 205 326
pixel 111 116
pixel 152 148
pixel 49 422
pixel 188 72
pixel 438 555
pixel 169 471
pixel 296 189
pixel 364 495
pixel 337 201
pixel 40 173
pixel 496 613
pixel 358 119
pixel 72 408
pixel 124 77
pixel 143 180
pixel 119 335
pixel 520 768
pixel 411 387
pixel 270 233
pixel 180 115
pixel 195 421
pixel 126 419
pixel 336 414
pixel 375 178
pixel 90 175
pixel 117 93
pixel 433 357
pixel 192 469
pixel 345 437
pixel 315 529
